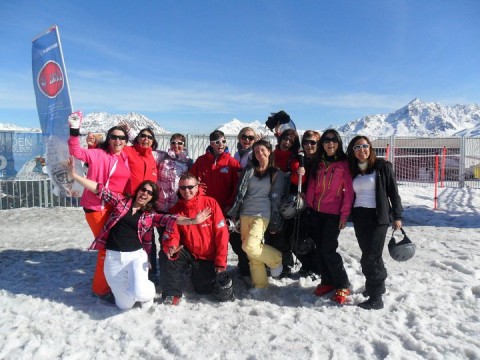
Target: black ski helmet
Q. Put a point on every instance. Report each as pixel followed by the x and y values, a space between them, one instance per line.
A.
pixel 223 287
pixel 292 205
pixel 403 250
pixel 233 226
pixel 305 245
pixel 274 119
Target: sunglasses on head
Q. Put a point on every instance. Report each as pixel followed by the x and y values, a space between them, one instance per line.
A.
pixel 185 187
pixel 219 142
pixel 143 136
pixel 361 146
pixel 248 137
pixel 330 139
pixel 179 143
pixel 149 192
pixel 309 142
pixel 118 137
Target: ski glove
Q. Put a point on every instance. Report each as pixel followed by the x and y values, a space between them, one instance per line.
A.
pixel 75 119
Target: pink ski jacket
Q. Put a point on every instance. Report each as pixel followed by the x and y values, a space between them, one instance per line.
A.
pixel 104 168
pixel 330 190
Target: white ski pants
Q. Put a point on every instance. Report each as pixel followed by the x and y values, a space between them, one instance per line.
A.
pixel 127 276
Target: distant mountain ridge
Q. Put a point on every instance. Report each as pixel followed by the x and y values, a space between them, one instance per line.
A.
pixel 417 119
pixel 100 122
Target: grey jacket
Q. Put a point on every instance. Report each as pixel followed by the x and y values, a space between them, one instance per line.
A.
pixel 280 184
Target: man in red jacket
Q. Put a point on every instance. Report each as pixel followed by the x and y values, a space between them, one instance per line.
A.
pixel 218 170
pixel 203 246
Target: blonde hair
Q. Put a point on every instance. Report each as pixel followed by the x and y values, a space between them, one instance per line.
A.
pixel 244 130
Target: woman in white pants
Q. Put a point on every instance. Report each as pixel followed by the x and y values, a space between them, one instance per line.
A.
pixel 127 238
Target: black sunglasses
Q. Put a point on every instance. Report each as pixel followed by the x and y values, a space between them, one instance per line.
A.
pixel 118 137
pixel 149 192
pixel 179 143
pixel 218 142
pixel 185 187
pixel 328 139
pixel 309 142
pixel 150 137
pixel 250 138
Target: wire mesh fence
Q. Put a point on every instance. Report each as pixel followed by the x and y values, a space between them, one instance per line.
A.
pixel 449 162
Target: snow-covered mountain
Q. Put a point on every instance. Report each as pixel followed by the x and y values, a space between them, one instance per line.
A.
pixel 12 127
pixel 233 127
pixel 100 122
pixel 418 118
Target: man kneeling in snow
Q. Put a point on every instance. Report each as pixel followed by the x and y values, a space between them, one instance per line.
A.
pixel 204 247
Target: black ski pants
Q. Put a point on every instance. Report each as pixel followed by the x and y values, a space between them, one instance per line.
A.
pixel 282 242
pixel 172 273
pixel 323 229
pixel 371 239
pixel 236 244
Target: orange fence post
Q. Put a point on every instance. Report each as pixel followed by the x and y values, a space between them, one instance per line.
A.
pixel 444 161
pixel 387 151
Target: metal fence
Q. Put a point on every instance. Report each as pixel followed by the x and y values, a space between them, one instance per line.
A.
pixel 414 161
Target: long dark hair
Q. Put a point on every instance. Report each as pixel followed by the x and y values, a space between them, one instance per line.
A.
pixel 339 154
pixel 271 163
pixel 296 142
pixel 104 144
pixel 353 161
pixel 152 204
pixel 150 130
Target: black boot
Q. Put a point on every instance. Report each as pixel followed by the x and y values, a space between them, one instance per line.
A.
pixel 372 304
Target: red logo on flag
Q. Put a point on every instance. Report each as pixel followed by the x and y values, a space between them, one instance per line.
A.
pixel 50 79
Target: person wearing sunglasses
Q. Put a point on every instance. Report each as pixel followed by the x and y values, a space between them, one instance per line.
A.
pixel 285 154
pixel 141 160
pixel 126 237
pixel 107 164
pixel 171 165
pixel 376 202
pixel 218 171
pixel 246 138
pixel 329 200
pixel 203 248
pixel 310 146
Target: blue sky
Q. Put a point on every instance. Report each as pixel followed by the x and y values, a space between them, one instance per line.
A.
pixel 193 65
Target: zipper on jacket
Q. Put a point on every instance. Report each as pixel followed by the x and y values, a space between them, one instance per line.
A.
pixel 323 187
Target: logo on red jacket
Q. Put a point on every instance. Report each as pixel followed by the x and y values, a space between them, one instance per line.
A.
pixel 50 79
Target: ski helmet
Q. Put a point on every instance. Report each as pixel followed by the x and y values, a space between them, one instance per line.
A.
pixel 223 287
pixel 403 250
pixel 305 245
pixel 291 206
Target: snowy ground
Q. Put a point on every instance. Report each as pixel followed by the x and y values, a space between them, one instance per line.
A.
pixel 432 305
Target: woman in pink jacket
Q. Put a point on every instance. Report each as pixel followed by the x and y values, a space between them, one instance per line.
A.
pixel 107 165
pixel 329 200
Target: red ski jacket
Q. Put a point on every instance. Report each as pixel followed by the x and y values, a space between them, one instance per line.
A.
pixel 142 166
pixel 205 241
pixel 220 175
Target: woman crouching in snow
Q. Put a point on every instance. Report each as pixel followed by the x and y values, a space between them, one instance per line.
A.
pixel 127 238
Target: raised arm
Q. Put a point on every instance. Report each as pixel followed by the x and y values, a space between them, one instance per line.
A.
pixel 86 183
